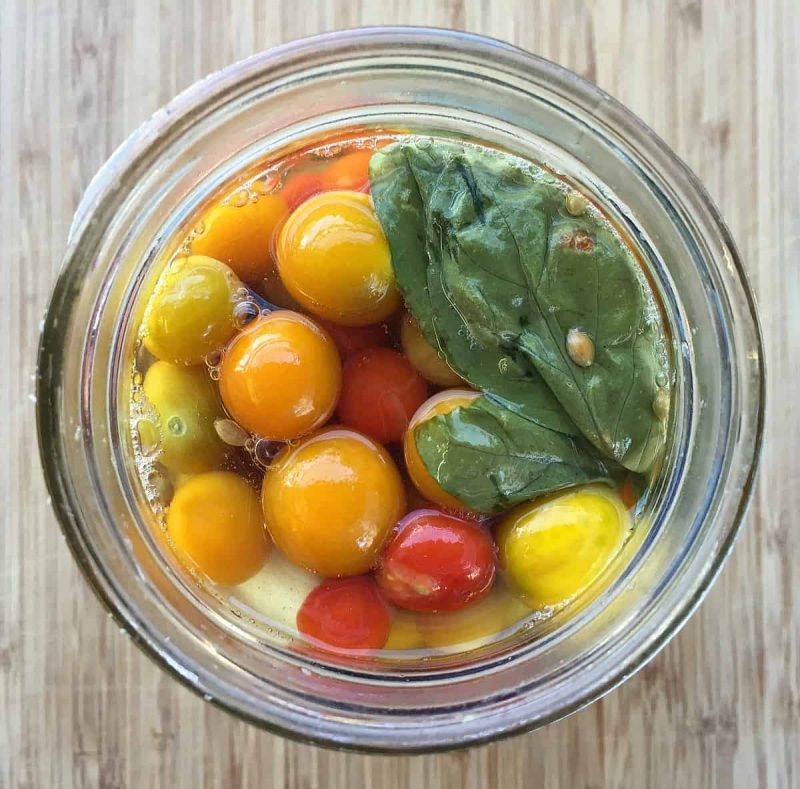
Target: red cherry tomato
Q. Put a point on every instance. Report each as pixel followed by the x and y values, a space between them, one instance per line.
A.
pixel 381 390
pixel 349 171
pixel 300 186
pixel 436 562
pixel 346 613
pixel 349 339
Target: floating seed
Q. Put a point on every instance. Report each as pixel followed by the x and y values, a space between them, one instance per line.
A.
pixel 576 203
pixel 232 433
pixel 580 347
pixel 661 404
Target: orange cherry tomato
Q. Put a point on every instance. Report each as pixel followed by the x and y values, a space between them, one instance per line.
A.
pixel 436 562
pixel 349 171
pixel 215 522
pixel 349 339
pixel 345 613
pixel 300 186
pixel 331 501
pixel 381 390
pixel 441 403
pixel 243 235
pixel 280 376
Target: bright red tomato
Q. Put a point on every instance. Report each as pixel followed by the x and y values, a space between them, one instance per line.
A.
pixel 436 562
pixel 381 390
pixel 346 613
pixel 349 339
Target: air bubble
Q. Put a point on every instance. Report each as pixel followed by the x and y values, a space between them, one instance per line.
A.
pixel 213 359
pixel 199 228
pixel 244 313
pixel 137 378
pixel 661 379
pixel 265 451
pixel 241 198
pixel 176 426
pixel 266 184
pixel 213 373
pixel 148 436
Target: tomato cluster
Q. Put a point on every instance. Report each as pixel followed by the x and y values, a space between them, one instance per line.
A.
pixel 335 383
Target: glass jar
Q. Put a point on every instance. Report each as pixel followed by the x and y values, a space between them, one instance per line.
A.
pixel 455 83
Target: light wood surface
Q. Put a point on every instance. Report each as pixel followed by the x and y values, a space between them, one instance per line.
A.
pixel 81 707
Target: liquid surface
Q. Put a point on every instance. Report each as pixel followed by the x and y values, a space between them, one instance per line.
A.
pixel 399 396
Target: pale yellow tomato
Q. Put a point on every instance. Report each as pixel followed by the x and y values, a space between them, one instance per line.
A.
pixel 215 523
pixel 281 376
pixel 429 362
pixel 554 548
pixel 331 501
pixel 334 259
pixel 442 403
pixel 187 404
pixel 191 313
pixel 242 234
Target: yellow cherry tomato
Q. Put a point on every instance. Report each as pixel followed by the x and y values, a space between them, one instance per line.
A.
pixel 191 313
pixel 427 360
pixel 334 259
pixel 216 525
pixel 404 633
pixel 554 548
pixel 475 624
pixel 281 376
pixel 442 403
pixel 187 404
pixel 242 234
pixel 331 501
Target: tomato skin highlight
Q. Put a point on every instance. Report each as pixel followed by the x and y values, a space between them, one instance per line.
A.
pixel 437 562
pixel 346 613
pixel 381 391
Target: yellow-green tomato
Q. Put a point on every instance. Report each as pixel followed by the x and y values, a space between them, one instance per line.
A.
pixel 554 548
pixel 425 358
pixel 192 311
pixel 187 405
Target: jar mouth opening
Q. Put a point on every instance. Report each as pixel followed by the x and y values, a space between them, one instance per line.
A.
pixel 98 212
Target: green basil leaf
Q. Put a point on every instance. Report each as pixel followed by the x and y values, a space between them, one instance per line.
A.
pixel 404 182
pixel 491 458
pixel 502 254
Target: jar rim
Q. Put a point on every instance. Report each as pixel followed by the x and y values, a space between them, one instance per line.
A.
pixel 96 209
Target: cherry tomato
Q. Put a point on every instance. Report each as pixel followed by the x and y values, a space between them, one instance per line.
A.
pixel 301 186
pixel 280 377
pixel 187 404
pixel 215 522
pixel 424 356
pixel 441 403
pixel 349 171
pixel 349 339
pixel 381 390
pixel 552 549
pixel 334 260
pixel 345 613
pixel 628 494
pixel 191 313
pixel 242 234
pixel 331 501
pixel 436 562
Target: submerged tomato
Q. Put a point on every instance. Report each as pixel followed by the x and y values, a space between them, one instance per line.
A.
pixel 349 339
pixel 334 260
pixel 349 171
pixel 331 501
pixel 381 390
pixel 280 376
pixel 437 562
pixel 301 186
pixel 215 523
pixel 347 613
pixel 441 403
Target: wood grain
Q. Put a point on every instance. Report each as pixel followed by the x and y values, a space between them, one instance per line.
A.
pixel 81 707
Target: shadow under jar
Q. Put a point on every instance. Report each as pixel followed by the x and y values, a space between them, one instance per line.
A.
pixel 451 84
